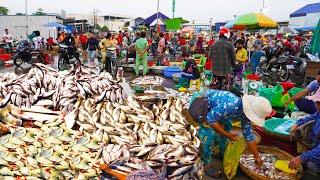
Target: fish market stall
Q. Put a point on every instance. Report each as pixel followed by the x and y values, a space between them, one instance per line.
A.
pixel 81 120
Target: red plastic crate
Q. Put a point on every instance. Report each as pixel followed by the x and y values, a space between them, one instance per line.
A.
pixel 5 57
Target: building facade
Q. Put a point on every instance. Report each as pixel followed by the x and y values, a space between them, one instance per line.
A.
pixel 21 26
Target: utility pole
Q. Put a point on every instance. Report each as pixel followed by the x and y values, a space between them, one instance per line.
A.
pixel 94 19
pixel 26 11
pixel 263 5
pixel 210 25
pixel 158 5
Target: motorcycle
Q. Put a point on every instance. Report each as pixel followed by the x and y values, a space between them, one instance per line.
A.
pixel 25 54
pixel 66 56
pixel 112 57
pixel 280 69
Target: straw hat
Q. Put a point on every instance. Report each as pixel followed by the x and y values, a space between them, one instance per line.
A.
pixel 256 109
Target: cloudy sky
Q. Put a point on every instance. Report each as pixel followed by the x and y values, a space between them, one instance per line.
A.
pixel 198 10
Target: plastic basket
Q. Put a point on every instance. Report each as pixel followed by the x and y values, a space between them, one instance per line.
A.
pixel 168 71
pixel 270 126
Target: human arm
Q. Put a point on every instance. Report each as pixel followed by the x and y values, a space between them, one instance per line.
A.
pixel 249 137
pixel 298 96
pixel 312 155
pixel 307 119
pixel 232 55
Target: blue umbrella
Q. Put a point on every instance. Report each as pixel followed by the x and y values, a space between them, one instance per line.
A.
pixel 54 25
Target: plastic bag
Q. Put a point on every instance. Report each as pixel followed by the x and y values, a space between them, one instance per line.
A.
pixel 232 156
pixel 284 99
pixel 283 166
pixel 277 96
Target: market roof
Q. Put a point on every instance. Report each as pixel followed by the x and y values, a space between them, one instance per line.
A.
pixel 310 8
pixel 150 19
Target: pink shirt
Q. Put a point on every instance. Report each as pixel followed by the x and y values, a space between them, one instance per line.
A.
pixel 161 45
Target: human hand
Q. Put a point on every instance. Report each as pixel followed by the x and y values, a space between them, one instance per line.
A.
pixel 258 161
pixel 294 128
pixel 295 163
pixel 287 103
pixel 232 136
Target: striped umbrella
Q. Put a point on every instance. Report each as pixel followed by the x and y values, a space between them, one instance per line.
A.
pixel 252 21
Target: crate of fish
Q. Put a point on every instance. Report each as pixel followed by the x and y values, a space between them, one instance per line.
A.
pixel 267 171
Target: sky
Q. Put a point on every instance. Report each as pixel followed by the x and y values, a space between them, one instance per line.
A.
pixel 198 10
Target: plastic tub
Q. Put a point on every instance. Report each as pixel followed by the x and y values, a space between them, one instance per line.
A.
pixel 168 71
pixel 176 77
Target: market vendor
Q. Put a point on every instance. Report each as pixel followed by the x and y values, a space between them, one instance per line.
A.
pixel 216 110
pixel 310 158
pixel 302 103
pixel 191 70
pixel 141 51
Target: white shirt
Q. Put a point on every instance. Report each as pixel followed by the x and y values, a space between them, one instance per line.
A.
pixel 7 38
pixel 38 42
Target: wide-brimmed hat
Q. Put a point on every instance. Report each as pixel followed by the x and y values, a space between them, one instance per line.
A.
pixel 315 97
pixel 256 109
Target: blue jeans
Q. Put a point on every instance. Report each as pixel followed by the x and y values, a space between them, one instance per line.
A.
pixel 92 56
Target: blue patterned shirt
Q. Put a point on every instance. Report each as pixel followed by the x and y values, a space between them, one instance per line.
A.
pixel 314 154
pixel 225 106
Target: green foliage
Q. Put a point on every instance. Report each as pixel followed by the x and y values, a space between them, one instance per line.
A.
pixel 4 10
pixel 39 12
pixel 103 28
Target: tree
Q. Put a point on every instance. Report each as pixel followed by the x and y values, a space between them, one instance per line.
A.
pixel 103 28
pixel 39 12
pixel 20 14
pixel 4 10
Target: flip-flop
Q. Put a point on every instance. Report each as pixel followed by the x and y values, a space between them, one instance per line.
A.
pixel 213 173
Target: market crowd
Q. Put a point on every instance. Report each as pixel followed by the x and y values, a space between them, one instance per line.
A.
pixel 229 55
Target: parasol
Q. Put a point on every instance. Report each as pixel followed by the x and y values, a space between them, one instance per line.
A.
pixel 252 21
pixel 187 29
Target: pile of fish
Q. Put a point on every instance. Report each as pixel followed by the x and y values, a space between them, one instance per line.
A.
pixel 52 152
pixel 185 97
pixel 154 135
pixel 44 86
pixel 267 169
pixel 148 80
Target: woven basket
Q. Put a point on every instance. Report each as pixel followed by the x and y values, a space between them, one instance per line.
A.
pixel 275 123
pixel 270 150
